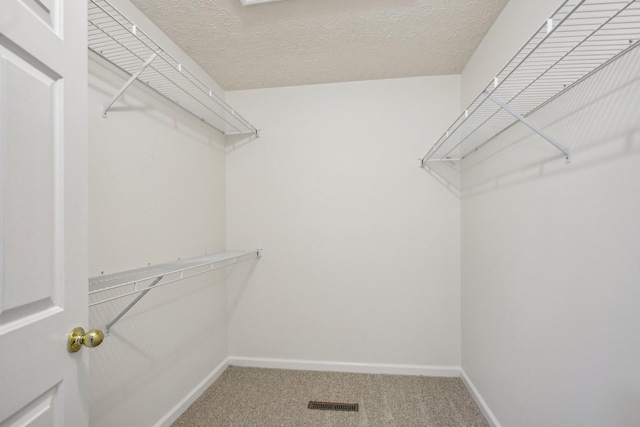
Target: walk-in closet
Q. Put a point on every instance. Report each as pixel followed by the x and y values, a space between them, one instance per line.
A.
pixel 320 213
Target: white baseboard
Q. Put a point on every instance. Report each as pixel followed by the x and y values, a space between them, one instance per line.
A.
pixel 313 365
pixel 191 397
pixel 484 408
pixel 360 368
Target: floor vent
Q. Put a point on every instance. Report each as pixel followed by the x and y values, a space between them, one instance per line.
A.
pixel 331 406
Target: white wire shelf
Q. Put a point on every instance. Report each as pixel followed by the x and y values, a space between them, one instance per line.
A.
pixel 182 269
pixel 111 287
pixel 581 37
pixel 122 43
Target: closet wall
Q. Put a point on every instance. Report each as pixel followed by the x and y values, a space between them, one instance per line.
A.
pixel 550 265
pixel 156 193
pixel 363 250
pixel 361 246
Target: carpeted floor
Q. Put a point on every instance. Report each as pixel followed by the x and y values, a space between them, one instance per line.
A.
pixel 249 397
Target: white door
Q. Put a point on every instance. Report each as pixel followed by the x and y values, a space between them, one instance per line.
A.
pixel 43 212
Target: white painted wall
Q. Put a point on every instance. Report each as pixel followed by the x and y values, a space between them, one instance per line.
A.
pixel 156 193
pixel 550 265
pixel 361 246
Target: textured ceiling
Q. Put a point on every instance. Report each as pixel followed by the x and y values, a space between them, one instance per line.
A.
pixel 297 42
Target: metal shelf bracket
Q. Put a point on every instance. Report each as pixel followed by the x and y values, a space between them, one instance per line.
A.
pixel 118 285
pixel 129 82
pixel 579 39
pixel 134 302
pixel 119 41
pixel 531 125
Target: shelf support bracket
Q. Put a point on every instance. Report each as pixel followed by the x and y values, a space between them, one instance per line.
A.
pixel 128 83
pixel 531 125
pixel 130 306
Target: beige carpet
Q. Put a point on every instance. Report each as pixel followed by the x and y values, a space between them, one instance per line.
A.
pixel 250 397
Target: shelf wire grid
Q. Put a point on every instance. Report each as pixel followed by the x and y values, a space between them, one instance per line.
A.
pixel 581 37
pixel 110 287
pixel 114 37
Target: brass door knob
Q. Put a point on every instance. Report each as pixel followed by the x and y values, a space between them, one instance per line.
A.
pixel 78 338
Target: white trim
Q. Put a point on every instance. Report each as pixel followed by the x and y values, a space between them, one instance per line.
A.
pixel 175 412
pixel 251 2
pixel 314 365
pixel 361 368
pixel 484 408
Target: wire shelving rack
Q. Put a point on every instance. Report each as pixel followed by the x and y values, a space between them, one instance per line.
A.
pixel 139 282
pixel 118 40
pixel 580 38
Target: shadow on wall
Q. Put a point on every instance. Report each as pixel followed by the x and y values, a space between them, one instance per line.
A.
pixel 143 100
pixel 238 276
pixel 161 333
pixel 598 120
pixel 447 172
pixel 235 142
